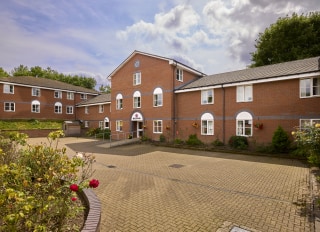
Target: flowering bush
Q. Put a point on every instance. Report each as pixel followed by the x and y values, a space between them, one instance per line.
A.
pixel 39 184
pixel 309 140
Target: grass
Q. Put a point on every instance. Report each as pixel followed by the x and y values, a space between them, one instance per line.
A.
pixel 31 124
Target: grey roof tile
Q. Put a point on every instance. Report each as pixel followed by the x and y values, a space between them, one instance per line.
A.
pixel 263 72
pixel 103 98
pixel 46 83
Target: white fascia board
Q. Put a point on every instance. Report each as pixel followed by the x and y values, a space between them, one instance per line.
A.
pixel 173 62
pixel 198 89
pixel 95 104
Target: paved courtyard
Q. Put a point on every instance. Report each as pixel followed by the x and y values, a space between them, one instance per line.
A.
pixel 149 188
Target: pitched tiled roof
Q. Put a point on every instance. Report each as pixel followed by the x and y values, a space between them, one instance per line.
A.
pixel 103 98
pixel 264 72
pixel 46 83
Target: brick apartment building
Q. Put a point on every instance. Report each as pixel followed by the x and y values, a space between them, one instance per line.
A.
pixel 153 96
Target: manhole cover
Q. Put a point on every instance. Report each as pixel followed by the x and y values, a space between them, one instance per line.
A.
pixel 176 166
pixel 111 166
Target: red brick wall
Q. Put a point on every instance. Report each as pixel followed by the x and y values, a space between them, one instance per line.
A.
pixel 93 116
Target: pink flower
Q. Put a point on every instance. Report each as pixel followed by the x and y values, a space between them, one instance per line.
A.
pixel 74 187
pixel 73 198
pixel 94 183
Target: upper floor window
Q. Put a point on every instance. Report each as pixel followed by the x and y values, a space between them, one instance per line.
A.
pixel 8 88
pixel 35 106
pixel 137 78
pixel 244 93
pixel 69 109
pixel 57 94
pixel 179 74
pixel 305 123
pixel 157 97
pixel 207 96
pixel 244 124
pixel 35 92
pixel 83 96
pixel 310 87
pixel 101 108
pixel 157 126
pixel 119 101
pixel 58 108
pixel 207 124
pixel 119 124
pixel 9 106
pixel 86 109
pixel 70 95
pixel 136 99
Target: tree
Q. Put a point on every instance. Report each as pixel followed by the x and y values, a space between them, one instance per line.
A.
pixel 21 71
pixel 290 38
pixel 105 89
pixel 3 73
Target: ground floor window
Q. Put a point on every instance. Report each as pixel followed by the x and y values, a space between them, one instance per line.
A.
pixel 86 124
pixel 207 124
pixel 305 123
pixel 119 124
pixel 244 124
pixel 101 124
pixel 35 106
pixel 106 122
pixel 58 108
pixel 69 109
pixel 157 126
pixel 9 106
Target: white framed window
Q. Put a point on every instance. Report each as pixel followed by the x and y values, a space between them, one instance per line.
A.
pixel 137 78
pixel 8 88
pixel 179 74
pixel 106 123
pixel 119 101
pixel 70 95
pixel 9 107
pixel 58 108
pixel 244 124
pixel 305 123
pixel 101 108
pixel 83 96
pixel 207 124
pixel 310 87
pixel 57 94
pixel 207 96
pixel 69 109
pixel 244 93
pixel 119 124
pixel 35 92
pixel 157 97
pixel 157 126
pixel 101 124
pixel 35 106
pixel 136 99
pixel 86 109
pixel 86 124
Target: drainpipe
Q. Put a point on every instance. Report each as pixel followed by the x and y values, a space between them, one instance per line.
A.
pixel 174 103
pixel 223 114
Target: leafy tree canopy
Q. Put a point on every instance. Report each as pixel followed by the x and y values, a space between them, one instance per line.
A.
pixel 21 70
pixel 3 73
pixel 105 89
pixel 290 38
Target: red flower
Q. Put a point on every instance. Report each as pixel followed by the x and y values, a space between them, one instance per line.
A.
pixel 94 183
pixel 73 198
pixel 74 187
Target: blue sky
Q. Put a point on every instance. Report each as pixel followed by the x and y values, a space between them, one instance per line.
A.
pixel 93 37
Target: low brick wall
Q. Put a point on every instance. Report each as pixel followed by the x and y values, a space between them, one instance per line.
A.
pixel 92 223
pixel 34 133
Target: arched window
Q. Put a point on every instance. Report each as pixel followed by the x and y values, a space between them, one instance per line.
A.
pixel 119 101
pixel 244 124
pixel 106 123
pixel 157 97
pixel 207 124
pixel 136 99
pixel 58 108
pixel 35 106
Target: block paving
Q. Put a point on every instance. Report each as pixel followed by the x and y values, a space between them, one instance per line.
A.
pixel 150 188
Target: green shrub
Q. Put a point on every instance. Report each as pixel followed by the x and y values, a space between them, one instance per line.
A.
pixel 144 138
pixel 238 142
pixel 194 141
pixel 99 133
pixel 217 143
pixel 162 138
pixel 178 141
pixel 280 140
pixel 38 188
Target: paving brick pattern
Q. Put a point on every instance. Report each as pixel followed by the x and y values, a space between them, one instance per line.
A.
pixel 148 188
